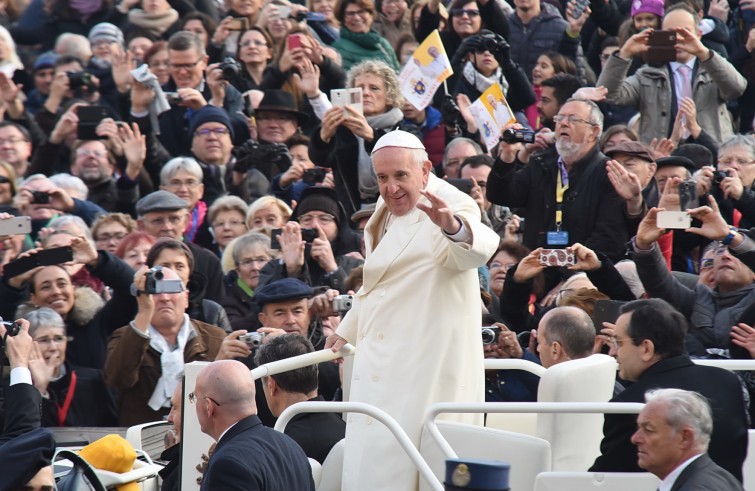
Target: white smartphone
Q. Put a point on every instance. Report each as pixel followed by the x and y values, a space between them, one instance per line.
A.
pixel 674 220
pixel 347 97
pixel 15 226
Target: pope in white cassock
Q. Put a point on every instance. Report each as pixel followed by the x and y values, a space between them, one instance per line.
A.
pixel 416 320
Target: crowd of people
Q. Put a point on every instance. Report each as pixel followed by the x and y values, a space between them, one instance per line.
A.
pixel 186 160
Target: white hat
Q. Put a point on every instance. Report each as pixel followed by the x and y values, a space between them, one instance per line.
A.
pixel 398 138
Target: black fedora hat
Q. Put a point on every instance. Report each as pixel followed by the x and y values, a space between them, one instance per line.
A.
pixel 282 102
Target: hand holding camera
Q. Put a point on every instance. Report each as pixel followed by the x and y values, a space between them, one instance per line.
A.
pixel 322 252
pixel 529 267
pixel 192 98
pixel 234 346
pixel 729 182
pixel 585 258
pixel 19 345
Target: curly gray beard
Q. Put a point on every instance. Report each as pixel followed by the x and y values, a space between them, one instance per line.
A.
pixel 568 150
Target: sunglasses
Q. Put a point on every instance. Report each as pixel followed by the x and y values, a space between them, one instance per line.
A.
pixel 4 180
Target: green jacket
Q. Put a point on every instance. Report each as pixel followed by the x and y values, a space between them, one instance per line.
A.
pixel 355 47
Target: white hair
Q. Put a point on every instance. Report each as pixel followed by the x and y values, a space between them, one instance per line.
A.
pixel 685 409
pixel 72 185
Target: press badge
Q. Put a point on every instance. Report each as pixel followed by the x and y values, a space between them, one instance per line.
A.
pixel 557 238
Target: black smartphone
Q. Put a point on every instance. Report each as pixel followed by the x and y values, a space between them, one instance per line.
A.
pixel 688 195
pixel 47 257
pixel 606 311
pixel 89 118
pixel 463 185
pixel 307 235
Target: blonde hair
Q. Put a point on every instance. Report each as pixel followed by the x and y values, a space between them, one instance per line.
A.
pixel 265 202
pixel 393 97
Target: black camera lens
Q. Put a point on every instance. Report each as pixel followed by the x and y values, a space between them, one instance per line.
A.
pixel 230 68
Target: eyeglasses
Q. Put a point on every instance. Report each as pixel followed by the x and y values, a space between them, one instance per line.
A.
pixel 605 56
pixel 102 42
pixel 183 66
pixel 736 161
pixel 193 399
pixel 571 119
pixel 247 44
pixel 308 220
pixel 706 263
pixel 280 117
pixel 47 340
pixel 245 263
pixel 177 184
pixel 617 342
pixel 173 220
pixel 83 152
pixel 498 264
pixel 354 13
pixel 206 132
pixel 12 140
pixel 461 12
pixel 104 238
pixel 228 224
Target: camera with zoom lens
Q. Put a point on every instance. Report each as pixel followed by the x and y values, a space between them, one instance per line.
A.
pixel 154 283
pixel 258 155
pixel 511 135
pixel 490 334
pixel 80 80
pixel 342 303
pixel 230 68
pixel 719 176
pixel 253 339
pixel 11 328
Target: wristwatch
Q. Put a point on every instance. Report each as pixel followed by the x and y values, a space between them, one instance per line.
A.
pixel 732 233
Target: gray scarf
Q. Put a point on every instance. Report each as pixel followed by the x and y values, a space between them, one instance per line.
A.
pixel 481 82
pixel 368 187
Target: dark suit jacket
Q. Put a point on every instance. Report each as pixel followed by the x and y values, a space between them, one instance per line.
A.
pixel 703 474
pixel 251 457
pixel 316 433
pixel 728 444
pixel 22 411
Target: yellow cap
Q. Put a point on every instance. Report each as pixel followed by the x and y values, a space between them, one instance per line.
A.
pixel 112 453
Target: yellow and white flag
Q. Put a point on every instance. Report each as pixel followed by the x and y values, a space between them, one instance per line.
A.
pixel 492 113
pixel 423 74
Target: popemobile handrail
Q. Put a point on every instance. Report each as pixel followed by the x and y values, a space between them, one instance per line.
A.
pixel 372 411
pixel 519 407
pixel 301 361
pixel 745 365
pixel 514 364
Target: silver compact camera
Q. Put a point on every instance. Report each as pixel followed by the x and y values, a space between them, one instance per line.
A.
pixel 342 303
pixel 490 334
pixel 253 339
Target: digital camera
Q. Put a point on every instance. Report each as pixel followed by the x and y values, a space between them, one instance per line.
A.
pixel 342 303
pixel 518 136
pixel 253 339
pixel 490 334
pixel 230 68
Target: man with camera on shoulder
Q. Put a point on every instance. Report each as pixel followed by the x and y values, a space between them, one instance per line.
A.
pixel 564 191
pixel 145 357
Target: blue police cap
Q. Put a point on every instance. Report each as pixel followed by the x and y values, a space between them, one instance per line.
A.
pixel 476 475
pixel 282 291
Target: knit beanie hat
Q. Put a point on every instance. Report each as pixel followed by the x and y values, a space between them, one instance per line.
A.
pixel 45 60
pixel 210 114
pixel 648 6
pixel 105 31
pixel 318 199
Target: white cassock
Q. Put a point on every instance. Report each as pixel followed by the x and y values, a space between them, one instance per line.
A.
pixel 416 325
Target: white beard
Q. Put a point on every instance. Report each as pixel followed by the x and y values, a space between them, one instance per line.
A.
pixel 568 150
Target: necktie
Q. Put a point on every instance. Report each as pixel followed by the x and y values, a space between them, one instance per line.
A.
pixel 685 73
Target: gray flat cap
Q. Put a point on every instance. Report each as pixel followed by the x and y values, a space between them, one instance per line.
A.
pixel 160 201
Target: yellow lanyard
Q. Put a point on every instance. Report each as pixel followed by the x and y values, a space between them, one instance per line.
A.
pixel 560 190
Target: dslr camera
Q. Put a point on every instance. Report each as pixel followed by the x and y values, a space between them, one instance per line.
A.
pixel 81 80
pixel 261 156
pixel 40 198
pixel 518 136
pixel 342 303
pixel 154 283
pixel 253 339
pixel 490 334
pixel 230 68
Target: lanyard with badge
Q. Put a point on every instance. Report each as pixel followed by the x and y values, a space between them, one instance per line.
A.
pixel 559 237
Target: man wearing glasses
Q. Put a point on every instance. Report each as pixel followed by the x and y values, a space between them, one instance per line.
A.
pixel 733 184
pixel 564 191
pixel 649 346
pixel 163 214
pixel 322 259
pixel 196 85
